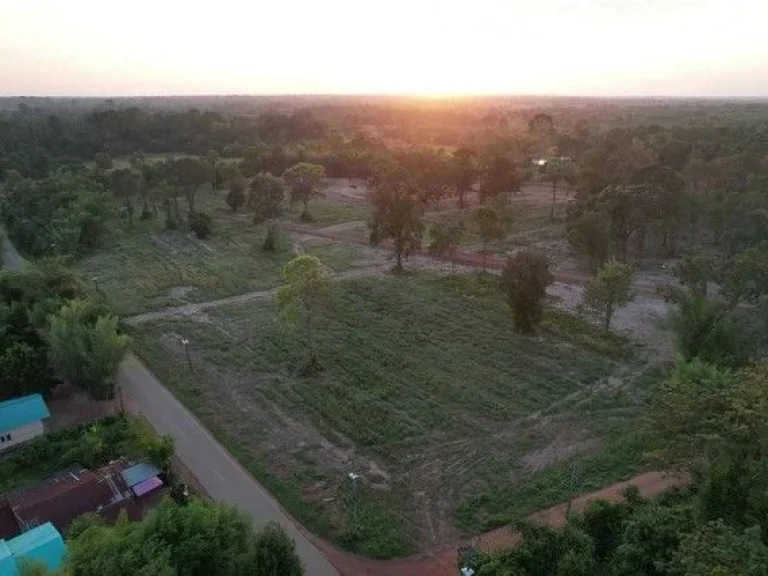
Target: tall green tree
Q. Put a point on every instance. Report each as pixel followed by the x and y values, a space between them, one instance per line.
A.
pixel 500 176
pixel 525 279
pixel 126 183
pixel 396 217
pixel 489 227
pixel 609 289
pixel 559 170
pixel 85 348
pixel 236 194
pixel 306 288
pixel 187 175
pixel 464 173
pixel 266 201
pixel 305 181
pixel 446 236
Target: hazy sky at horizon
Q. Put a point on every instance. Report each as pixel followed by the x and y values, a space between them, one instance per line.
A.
pixel 580 47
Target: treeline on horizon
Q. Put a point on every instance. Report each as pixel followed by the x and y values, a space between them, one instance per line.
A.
pixel 39 135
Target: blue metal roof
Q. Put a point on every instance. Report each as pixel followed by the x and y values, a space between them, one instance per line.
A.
pixel 7 562
pixel 138 473
pixel 19 412
pixel 42 544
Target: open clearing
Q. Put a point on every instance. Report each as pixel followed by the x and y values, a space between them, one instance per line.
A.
pixel 454 422
pixel 147 267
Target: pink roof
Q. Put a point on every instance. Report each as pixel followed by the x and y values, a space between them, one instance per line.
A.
pixel 147 486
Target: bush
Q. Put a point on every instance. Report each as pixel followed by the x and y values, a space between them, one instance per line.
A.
pixel 200 223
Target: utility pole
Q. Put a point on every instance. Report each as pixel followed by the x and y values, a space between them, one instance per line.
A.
pixel 185 343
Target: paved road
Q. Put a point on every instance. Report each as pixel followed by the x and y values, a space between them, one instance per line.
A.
pixel 218 472
pixel 11 257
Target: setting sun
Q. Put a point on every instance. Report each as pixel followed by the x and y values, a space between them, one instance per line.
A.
pixel 419 47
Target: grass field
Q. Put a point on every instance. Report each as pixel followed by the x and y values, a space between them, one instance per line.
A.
pixel 147 267
pixel 427 392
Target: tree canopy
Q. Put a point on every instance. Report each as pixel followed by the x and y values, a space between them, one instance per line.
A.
pixel 195 539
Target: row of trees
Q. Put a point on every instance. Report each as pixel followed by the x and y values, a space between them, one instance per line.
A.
pixel 36 142
pixel 635 193
pixel 196 538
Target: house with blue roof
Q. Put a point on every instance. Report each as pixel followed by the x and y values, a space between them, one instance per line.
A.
pixel 21 419
pixel 43 545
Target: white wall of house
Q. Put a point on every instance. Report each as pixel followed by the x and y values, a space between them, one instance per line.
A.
pixel 20 435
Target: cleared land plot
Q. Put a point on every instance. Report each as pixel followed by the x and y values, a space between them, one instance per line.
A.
pixel 148 267
pixel 427 393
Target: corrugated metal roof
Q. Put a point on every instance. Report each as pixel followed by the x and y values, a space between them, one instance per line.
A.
pixel 42 544
pixel 6 558
pixel 147 486
pixel 19 412
pixel 138 473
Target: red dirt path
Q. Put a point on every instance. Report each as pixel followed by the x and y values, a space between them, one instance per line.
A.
pixel 442 562
pixel 471 259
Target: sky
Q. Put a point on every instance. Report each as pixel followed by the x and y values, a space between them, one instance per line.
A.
pixel 712 48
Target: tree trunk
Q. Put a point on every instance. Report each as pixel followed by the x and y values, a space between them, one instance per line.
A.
pixel 399 256
pixel 554 197
pixel 608 316
pixel 640 243
pixel 461 199
pixel 485 255
pixel 129 209
pixel 191 199
pixel 310 334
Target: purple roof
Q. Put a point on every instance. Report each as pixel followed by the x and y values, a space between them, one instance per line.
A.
pixel 147 486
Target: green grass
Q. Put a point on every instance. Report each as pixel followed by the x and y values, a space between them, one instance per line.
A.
pixel 139 267
pixel 338 257
pixel 326 213
pixel 415 366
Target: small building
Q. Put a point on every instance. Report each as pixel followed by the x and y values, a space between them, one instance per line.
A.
pixel 107 491
pixel 21 419
pixel 43 545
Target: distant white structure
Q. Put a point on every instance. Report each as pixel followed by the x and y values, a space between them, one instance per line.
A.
pixel 21 419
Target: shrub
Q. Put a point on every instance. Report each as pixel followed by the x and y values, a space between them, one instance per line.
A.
pixel 200 223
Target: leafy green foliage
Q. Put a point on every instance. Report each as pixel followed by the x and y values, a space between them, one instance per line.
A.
pixel 187 175
pixel 396 216
pixel 103 161
pixel 446 236
pixel 201 224
pixel 609 289
pixel 525 279
pixel 488 225
pixel 306 181
pixel 711 331
pixel 266 197
pixel 588 233
pixel 85 348
pixel 92 445
pixel 236 194
pixel 26 299
pixel 65 214
pixel 305 289
pixel 196 539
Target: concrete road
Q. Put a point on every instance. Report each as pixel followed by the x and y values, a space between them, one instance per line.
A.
pixel 11 257
pixel 218 472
